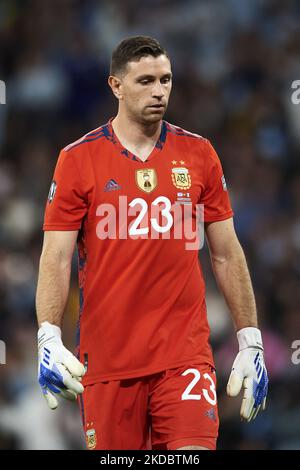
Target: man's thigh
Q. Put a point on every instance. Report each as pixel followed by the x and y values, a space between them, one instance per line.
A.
pixel 115 415
pixel 183 408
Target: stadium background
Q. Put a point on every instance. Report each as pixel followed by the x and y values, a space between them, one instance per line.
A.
pixel 233 63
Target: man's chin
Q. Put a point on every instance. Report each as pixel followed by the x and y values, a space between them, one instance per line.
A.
pixel 152 118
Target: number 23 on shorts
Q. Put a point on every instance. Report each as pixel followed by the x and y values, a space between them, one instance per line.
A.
pixel 208 393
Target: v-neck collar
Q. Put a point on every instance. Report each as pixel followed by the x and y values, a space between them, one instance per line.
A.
pixel 125 152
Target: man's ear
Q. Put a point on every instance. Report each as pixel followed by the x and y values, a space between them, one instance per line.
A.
pixel 116 86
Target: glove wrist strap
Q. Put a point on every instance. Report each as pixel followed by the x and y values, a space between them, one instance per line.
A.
pixel 249 337
pixel 48 331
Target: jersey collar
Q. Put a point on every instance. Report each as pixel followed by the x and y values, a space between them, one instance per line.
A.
pixel 125 152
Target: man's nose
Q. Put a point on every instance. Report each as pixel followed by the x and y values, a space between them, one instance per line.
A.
pixel 157 90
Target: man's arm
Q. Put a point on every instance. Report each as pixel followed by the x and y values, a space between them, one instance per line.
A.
pixel 54 276
pixel 231 272
pixel 232 275
pixel 60 372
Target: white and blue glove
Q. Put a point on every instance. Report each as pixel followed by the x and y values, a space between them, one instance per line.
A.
pixel 60 373
pixel 249 371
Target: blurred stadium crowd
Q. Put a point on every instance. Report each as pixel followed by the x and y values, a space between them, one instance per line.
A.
pixel 233 64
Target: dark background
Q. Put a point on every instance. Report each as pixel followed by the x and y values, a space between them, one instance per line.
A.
pixel 233 62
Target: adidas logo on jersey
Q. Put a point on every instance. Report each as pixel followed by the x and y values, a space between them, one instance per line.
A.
pixel 111 185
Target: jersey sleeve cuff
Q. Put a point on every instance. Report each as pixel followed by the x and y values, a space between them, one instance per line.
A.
pixel 219 217
pixel 61 227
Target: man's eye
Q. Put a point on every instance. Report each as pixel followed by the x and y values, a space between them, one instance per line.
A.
pixel 144 82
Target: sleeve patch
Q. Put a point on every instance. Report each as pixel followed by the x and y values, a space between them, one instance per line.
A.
pixel 52 191
pixel 224 183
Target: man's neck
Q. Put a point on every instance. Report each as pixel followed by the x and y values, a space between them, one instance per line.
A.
pixel 138 138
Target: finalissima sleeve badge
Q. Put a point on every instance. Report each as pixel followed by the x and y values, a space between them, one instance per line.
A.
pixel 224 183
pixel 52 191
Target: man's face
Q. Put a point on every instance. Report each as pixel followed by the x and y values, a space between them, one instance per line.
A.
pixel 146 87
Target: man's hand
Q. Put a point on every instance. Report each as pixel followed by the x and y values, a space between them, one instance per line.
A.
pixel 249 371
pixel 59 370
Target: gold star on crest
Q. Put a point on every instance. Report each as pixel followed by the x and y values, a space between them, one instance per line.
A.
pixel 181 162
pixel 174 162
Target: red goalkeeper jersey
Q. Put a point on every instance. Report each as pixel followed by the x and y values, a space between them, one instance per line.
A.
pixel 142 293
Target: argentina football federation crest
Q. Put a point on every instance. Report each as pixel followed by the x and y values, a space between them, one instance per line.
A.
pixel 181 178
pixel 52 191
pixel 146 179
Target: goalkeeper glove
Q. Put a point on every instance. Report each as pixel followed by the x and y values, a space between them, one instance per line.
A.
pixel 59 370
pixel 249 371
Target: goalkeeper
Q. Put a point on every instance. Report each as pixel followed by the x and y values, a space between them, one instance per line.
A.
pixel 144 357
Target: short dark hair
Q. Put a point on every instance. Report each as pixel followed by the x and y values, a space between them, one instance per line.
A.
pixel 134 48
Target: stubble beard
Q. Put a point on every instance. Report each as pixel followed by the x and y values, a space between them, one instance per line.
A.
pixel 147 118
